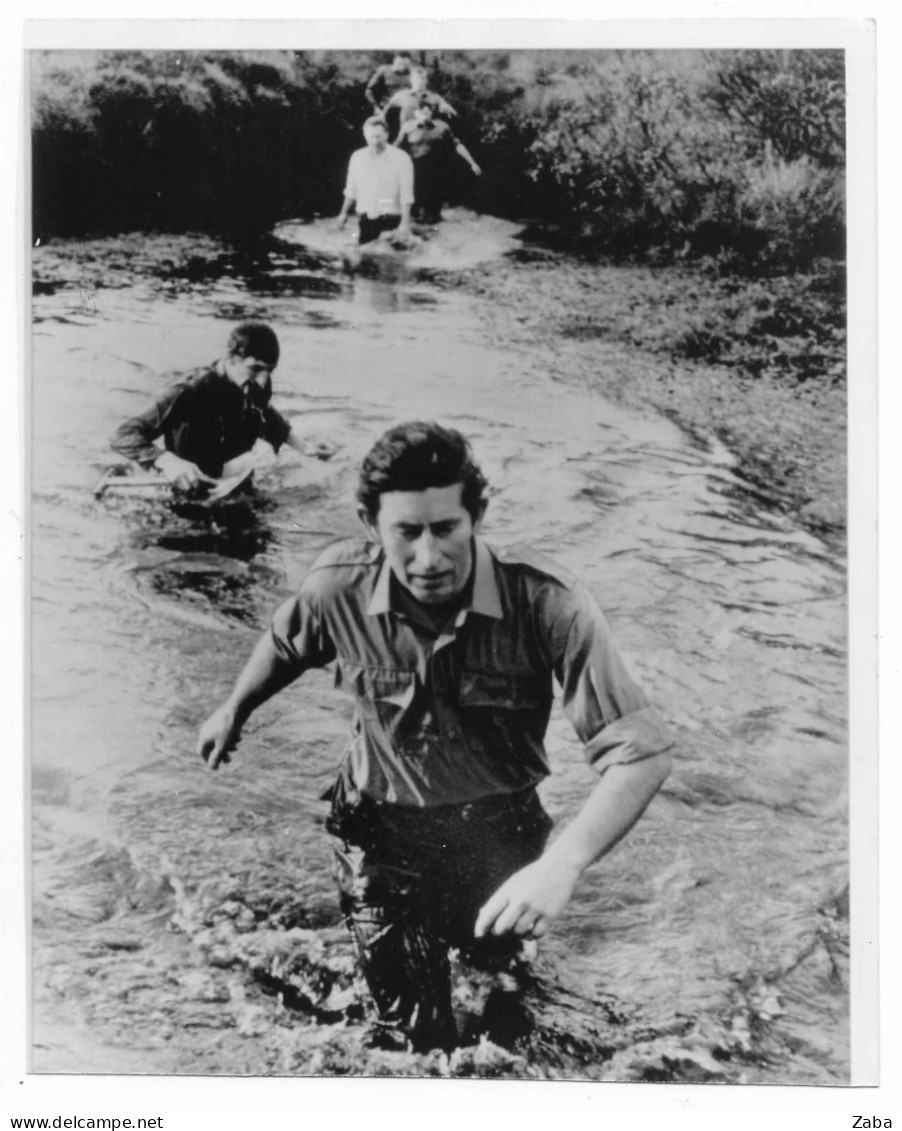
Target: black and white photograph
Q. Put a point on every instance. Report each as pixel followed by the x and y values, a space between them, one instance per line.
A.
pixel 439 511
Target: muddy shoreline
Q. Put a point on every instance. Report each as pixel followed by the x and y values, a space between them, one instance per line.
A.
pixel 615 327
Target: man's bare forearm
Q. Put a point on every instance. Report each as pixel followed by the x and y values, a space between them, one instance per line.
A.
pixel 346 205
pixel 265 673
pixel 610 811
pixel 531 899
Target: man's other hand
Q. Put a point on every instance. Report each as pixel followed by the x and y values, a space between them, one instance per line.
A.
pixel 320 449
pixel 182 473
pixel 241 465
pixel 529 900
pixel 218 736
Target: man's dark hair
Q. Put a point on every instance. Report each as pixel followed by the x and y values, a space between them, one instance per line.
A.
pixel 418 455
pixel 255 339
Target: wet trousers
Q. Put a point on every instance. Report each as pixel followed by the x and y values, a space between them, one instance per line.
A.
pixel 411 884
pixel 371 227
pixel 430 177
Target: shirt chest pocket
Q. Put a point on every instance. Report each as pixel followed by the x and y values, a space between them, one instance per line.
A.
pixel 504 714
pixel 380 694
pixel 503 693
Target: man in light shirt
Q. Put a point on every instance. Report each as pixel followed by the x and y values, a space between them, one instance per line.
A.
pixel 379 186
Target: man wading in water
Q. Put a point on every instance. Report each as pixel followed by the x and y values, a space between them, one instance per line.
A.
pixel 380 185
pixel 387 80
pixel 431 145
pixel 211 417
pixel 406 101
pixel 450 649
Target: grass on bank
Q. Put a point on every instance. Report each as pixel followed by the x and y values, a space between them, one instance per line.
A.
pixel 759 365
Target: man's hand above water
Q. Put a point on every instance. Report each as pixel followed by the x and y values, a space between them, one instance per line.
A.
pixel 182 473
pixel 529 901
pixel 218 736
pixel 316 447
pixel 265 673
pixel 320 449
pixel 245 463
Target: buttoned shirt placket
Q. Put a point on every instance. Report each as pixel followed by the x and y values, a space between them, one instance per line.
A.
pixel 438 675
pixel 437 668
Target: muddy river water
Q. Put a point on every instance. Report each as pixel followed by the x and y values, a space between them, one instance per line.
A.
pixel 186 922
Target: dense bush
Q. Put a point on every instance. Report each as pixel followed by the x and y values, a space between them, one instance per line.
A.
pixel 793 100
pixel 179 140
pixel 739 154
pixel 789 326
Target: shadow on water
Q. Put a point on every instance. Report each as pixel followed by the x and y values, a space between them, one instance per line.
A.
pixel 212 554
pixel 293 284
pixel 251 262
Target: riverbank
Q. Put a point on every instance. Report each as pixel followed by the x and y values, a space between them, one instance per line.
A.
pixel 776 400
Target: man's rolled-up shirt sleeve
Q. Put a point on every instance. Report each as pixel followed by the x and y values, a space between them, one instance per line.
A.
pixel 631 738
pixel 609 711
pixel 276 428
pixel 351 186
pixel 299 635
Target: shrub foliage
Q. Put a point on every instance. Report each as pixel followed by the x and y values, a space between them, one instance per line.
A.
pixel 739 154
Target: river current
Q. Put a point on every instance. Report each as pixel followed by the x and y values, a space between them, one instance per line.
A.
pixel 186 922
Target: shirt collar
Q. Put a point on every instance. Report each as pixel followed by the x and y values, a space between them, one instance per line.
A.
pixel 484 597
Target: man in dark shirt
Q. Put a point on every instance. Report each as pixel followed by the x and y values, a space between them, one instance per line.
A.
pixel 406 101
pixel 379 186
pixel 431 144
pixel 210 419
pixel 450 649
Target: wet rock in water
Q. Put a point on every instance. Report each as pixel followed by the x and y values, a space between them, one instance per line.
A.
pixel 111 938
pixel 484 1059
pixel 208 564
pixel 253 1020
pixel 203 987
pixel 237 913
pixel 667 1059
pixel 314 972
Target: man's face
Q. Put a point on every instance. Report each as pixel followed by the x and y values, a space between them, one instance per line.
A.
pixel 246 371
pixel 428 541
pixel 400 64
pixel 376 137
pixel 417 81
pixel 423 115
